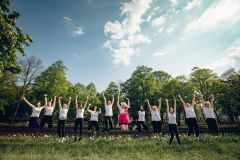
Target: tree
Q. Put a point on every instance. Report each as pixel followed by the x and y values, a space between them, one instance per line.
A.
pixel 12 39
pixel 30 69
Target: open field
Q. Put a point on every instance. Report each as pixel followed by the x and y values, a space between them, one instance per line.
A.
pixel 119 147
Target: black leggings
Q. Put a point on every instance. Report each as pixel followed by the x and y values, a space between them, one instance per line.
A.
pixel 93 124
pixel 61 128
pixel 78 122
pixel 173 130
pixel 192 124
pixel 140 125
pixel 46 119
pixel 212 125
pixel 33 122
pixel 157 126
pixel 108 123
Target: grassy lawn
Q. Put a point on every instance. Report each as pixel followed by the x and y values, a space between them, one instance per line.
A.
pixel 121 147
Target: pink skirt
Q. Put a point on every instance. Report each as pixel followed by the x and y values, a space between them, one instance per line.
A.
pixel 123 118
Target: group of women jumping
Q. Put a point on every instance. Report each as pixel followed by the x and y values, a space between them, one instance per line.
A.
pixel 123 116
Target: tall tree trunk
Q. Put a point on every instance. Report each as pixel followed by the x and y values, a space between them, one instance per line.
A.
pixel 16 110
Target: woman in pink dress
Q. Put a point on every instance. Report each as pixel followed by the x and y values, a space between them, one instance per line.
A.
pixel 123 117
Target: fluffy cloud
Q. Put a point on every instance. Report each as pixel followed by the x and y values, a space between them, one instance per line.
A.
pixel 174 2
pixel 156 54
pixel 159 21
pixel 125 35
pixel 153 13
pixel 230 60
pixel 192 4
pixel 72 27
pixel 223 11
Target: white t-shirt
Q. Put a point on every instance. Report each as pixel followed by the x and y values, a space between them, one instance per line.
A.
pixel 63 113
pixel 36 111
pixel 190 113
pixel 108 110
pixel 155 115
pixel 208 112
pixel 141 116
pixel 94 116
pixel 48 111
pixel 172 118
pixel 79 113
pixel 121 110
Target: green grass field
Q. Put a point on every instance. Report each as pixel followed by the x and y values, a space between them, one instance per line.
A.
pixel 121 147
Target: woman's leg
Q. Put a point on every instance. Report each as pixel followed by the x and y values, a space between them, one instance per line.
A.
pixel 145 127
pixel 49 121
pixel 176 133
pixel 190 126
pixel 110 123
pixel 170 126
pixel 59 129
pixel 63 128
pixel 196 128
pixel 139 128
pixel 75 128
pixel 81 127
pixel 154 126
pixel 43 121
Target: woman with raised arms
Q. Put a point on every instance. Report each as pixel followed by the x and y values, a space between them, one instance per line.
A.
pixel 190 116
pixel 36 110
pixel 155 116
pixel 123 118
pixel 108 113
pixel 172 123
pixel 63 111
pixel 209 115
pixel 93 122
pixel 48 112
pixel 141 123
pixel 79 117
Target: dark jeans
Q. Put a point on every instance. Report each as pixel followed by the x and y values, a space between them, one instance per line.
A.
pixel 46 119
pixel 173 130
pixel 140 125
pixel 192 125
pixel 93 124
pixel 78 122
pixel 33 122
pixel 212 125
pixel 108 123
pixel 157 126
pixel 61 128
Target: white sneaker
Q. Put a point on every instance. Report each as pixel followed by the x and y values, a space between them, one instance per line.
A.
pixel 60 140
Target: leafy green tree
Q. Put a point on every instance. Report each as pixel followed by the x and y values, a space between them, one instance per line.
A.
pixel 12 39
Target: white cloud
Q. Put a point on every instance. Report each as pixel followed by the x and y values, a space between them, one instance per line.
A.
pixel 125 35
pixel 170 30
pixel 72 27
pixel 159 21
pixel 174 2
pixel 223 11
pixel 159 54
pixel 153 13
pixel 192 4
pixel 230 60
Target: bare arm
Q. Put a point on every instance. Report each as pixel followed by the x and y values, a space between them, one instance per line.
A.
pixel 202 100
pixel 149 106
pixel 167 104
pixel 112 99
pixel 54 101
pixel 104 99
pixel 159 104
pixel 69 101
pixel 59 102
pixel 212 100
pixel 45 100
pixel 76 102
pixel 128 102
pixel 193 100
pixel 118 103
pixel 86 102
pixel 25 100
pixel 175 106
pixel 180 97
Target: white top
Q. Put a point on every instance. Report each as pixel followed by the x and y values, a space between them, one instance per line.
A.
pixel 208 112
pixel 36 111
pixel 94 116
pixel 63 113
pixel 155 115
pixel 48 111
pixel 108 110
pixel 141 116
pixel 79 113
pixel 190 113
pixel 172 118
pixel 121 110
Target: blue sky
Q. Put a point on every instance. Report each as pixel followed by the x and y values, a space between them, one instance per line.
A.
pixel 103 41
